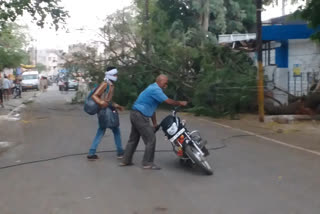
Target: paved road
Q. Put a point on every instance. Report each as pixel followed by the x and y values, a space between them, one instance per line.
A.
pixel 13 103
pixel 252 176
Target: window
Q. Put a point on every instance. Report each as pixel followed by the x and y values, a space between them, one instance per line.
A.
pixel 29 77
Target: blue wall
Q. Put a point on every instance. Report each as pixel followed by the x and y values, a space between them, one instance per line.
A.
pixel 285 32
pixel 282 55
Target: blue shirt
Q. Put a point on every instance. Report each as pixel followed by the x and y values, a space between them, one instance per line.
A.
pixel 149 100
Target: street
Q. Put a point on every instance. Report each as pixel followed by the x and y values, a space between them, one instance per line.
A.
pixel 251 175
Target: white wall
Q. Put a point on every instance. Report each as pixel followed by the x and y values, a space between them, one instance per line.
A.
pixel 306 53
pixel 277 77
pixel 51 60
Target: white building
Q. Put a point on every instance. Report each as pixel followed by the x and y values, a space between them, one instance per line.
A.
pixel 52 59
pixel 291 59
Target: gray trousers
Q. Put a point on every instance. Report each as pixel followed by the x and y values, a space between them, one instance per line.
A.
pixel 140 126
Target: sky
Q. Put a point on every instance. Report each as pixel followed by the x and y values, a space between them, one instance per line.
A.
pixel 274 11
pixel 88 15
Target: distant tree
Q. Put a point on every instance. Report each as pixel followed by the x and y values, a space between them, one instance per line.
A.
pixel 12 46
pixel 41 67
pixel 312 15
pixel 217 80
pixel 42 11
pixel 248 10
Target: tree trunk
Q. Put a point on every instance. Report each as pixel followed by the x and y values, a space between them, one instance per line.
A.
pixel 147 10
pixel 146 24
pixel 204 14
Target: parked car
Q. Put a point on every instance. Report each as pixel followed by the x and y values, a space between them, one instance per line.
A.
pixel 30 80
pixel 73 84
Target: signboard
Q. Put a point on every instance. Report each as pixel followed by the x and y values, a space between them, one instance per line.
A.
pixel 296 70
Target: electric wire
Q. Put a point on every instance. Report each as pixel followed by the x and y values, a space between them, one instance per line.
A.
pixel 224 145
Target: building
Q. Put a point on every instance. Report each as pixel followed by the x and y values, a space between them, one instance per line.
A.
pixel 52 59
pixel 291 59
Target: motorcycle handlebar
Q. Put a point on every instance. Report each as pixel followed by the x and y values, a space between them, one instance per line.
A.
pixel 175 110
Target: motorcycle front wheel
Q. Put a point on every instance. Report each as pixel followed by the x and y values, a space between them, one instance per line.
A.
pixel 199 160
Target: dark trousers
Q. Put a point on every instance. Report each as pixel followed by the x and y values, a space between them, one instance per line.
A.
pixel 140 126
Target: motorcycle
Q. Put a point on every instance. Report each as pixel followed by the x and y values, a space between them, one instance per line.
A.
pixel 188 146
pixel 16 91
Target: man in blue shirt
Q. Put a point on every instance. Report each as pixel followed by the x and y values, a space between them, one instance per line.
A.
pixel 143 109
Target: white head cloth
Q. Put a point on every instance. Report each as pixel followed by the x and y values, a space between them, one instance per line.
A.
pixel 110 75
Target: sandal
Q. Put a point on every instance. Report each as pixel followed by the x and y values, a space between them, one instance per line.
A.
pixel 152 167
pixel 125 164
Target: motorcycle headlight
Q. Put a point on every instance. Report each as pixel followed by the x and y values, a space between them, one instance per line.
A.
pixel 172 129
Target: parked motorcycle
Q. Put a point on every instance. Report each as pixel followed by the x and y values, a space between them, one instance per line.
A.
pixel 188 146
pixel 16 90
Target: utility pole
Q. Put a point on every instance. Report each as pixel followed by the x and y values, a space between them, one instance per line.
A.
pixel 260 68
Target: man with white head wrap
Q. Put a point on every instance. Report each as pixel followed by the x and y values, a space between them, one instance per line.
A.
pixel 103 97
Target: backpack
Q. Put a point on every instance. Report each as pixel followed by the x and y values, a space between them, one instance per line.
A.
pixel 90 106
pixel 108 118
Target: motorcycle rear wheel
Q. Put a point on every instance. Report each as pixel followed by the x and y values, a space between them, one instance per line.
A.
pixel 199 160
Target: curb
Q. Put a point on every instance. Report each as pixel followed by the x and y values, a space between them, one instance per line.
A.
pixel 265 138
pixel 22 105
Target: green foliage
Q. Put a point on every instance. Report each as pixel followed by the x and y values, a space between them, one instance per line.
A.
pixel 41 67
pixel 248 10
pixel 40 10
pixel 12 43
pixel 218 23
pixel 312 15
pixel 215 80
pixel 226 87
pixel 182 11
pixel 234 17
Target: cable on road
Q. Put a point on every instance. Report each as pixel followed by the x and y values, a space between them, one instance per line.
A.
pixel 224 145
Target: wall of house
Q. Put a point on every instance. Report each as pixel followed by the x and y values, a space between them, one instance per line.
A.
pixel 277 82
pixel 52 64
pixel 305 54
pixel 50 59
